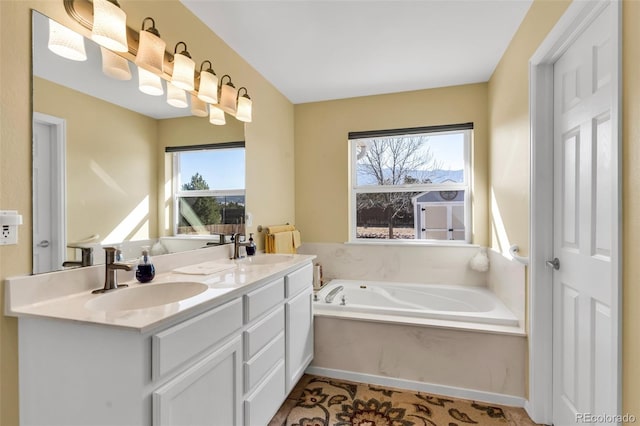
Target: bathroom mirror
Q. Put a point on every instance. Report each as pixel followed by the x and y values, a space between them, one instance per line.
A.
pixel 102 173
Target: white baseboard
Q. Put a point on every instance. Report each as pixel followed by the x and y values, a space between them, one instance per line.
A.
pixel 489 397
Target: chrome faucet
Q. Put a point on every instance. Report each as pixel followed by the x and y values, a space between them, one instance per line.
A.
pixel 332 294
pixel 110 277
pixel 237 244
pixel 87 257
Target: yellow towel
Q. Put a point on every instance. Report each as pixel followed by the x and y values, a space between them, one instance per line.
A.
pixel 282 239
pixel 296 239
pixel 283 242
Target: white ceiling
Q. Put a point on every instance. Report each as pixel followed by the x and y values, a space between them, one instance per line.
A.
pixel 315 50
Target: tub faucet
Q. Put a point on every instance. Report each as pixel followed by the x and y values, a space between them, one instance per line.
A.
pixel 87 257
pixel 110 268
pixel 332 294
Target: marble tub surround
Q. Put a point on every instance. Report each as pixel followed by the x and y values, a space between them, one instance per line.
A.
pixel 467 364
pixel 65 294
pixel 400 263
pixel 507 280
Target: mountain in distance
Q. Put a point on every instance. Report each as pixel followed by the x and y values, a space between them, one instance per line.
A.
pixel 435 176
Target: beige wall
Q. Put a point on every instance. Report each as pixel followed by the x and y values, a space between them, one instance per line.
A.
pixel 631 206
pixel 322 162
pixel 509 128
pixel 111 165
pixel 269 138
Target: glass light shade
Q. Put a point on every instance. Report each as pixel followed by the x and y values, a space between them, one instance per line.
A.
pixel 228 95
pixel 208 90
pixel 183 72
pixel 176 97
pixel 244 109
pixel 149 83
pixel 198 107
pixel 151 52
pixel 109 26
pixel 65 42
pixel 114 65
pixel 216 116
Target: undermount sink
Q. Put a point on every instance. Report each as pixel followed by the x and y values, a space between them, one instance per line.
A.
pixel 267 259
pixel 145 296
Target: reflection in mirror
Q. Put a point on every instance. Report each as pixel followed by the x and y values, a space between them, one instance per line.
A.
pixel 102 173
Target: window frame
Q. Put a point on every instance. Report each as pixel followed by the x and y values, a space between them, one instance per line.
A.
pixel 466 186
pixel 177 193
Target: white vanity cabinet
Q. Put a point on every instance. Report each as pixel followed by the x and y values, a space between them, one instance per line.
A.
pixel 231 364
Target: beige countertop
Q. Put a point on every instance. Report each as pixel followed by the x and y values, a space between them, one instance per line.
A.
pixel 66 295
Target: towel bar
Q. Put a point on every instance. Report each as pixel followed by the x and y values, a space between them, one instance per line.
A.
pixel 261 228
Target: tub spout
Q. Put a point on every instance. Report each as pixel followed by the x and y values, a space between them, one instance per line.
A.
pixel 333 293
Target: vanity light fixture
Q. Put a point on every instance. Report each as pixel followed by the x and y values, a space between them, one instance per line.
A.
pixel 115 66
pixel 198 107
pixel 244 106
pixel 183 68
pixel 227 95
pixel 208 89
pixel 216 116
pixel 149 83
pixel 109 25
pixel 150 48
pixel 65 42
pixel 176 96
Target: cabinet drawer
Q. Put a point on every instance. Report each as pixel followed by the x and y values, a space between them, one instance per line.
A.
pixel 261 300
pixel 178 344
pixel 298 280
pixel 258 367
pixel 263 332
pixel 264 402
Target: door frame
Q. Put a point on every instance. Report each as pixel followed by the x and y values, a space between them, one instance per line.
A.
pixel 578 16
pixel 59 182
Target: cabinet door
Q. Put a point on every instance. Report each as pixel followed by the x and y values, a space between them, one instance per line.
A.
pixel 209 393
pixel 299 336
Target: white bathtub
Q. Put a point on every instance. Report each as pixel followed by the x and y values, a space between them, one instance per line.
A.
pixel 419 301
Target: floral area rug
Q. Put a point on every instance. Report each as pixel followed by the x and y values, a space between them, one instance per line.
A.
pixel 327 402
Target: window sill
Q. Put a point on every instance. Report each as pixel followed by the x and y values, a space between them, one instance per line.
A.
pixel 409 243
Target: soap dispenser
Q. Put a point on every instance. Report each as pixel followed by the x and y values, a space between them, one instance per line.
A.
pixel 145 271
pixel 251 247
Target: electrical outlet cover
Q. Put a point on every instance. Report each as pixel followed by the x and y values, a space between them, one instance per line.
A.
pixel 9 221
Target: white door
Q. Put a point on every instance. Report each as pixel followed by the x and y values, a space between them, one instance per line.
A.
pixel 48 193
pixel 584 329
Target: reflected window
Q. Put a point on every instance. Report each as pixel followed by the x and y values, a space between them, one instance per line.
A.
pixel 209 189
pixel 411 184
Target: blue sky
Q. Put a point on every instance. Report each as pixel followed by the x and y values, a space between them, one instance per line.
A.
pixel 448 149
pixel 221 168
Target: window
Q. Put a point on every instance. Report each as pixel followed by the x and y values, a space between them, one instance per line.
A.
pixel 209 188
pixel 411 184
